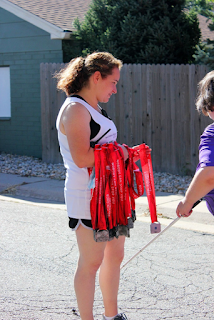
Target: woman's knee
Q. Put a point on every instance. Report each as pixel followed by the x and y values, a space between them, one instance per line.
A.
pixel 114 253
pixel 90 253
pixel 118 258
pixel 90 265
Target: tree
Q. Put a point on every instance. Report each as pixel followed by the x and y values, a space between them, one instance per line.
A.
pixel 204 53
pixel 140 31
pixel 204 7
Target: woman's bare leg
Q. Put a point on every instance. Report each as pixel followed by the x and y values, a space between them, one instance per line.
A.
pixel 90 257
pixel 109 275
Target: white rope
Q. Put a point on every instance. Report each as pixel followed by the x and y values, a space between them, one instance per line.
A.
pixel 136 254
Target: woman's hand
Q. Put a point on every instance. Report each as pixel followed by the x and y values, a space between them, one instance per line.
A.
pixel 136 149
pixel 136 156
pixel 184 209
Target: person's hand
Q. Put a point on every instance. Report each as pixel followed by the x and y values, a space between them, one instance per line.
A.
pixel 184 209
pixel 136 149
pixel 136 156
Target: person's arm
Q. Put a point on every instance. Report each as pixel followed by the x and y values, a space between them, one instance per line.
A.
pixel 76 123
pixel 201 184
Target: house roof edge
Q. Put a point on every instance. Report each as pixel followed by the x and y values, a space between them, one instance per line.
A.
pixel 55 32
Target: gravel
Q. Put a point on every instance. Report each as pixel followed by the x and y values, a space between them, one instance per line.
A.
pixel 32 167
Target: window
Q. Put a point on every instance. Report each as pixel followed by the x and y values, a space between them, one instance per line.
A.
pixel 5 101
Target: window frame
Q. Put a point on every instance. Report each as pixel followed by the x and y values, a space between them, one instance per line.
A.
pixel 5 93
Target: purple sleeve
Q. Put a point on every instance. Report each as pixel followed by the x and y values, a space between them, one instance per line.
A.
pixel 206 159
pixel 206 147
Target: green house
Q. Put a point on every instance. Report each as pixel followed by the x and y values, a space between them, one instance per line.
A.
pixel 31 32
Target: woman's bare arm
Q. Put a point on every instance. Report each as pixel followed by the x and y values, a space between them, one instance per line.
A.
pixel 76 123
pixel 201 184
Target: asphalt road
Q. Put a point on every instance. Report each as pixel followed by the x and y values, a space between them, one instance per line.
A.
pixel 171 279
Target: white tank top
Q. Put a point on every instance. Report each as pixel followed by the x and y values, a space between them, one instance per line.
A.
pixel 77 194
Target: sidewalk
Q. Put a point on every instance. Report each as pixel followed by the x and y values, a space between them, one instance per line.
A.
pixel 32 187
pixel 50 191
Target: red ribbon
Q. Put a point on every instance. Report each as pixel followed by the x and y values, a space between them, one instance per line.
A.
pixel 114 194
pixel 146 163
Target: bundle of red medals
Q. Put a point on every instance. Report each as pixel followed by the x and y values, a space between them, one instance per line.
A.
pixel 114 194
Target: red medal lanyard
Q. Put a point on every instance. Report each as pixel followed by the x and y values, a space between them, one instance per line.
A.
pixel 146 163
pixel 106 188
pixel 114 185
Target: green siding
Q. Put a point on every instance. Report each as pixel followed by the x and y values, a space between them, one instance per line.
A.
pixel 23 47
pixel 18 28
pixel 28 44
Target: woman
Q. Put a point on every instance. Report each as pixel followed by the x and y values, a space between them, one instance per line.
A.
pixel 87 81
pixel 202 184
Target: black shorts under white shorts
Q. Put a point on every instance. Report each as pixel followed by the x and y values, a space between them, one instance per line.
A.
pixel 74 223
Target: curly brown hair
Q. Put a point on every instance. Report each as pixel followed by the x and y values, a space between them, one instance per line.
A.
pixel 205 98
pixel 76 74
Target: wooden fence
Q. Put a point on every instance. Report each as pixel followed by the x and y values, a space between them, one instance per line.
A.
pixel 154 104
